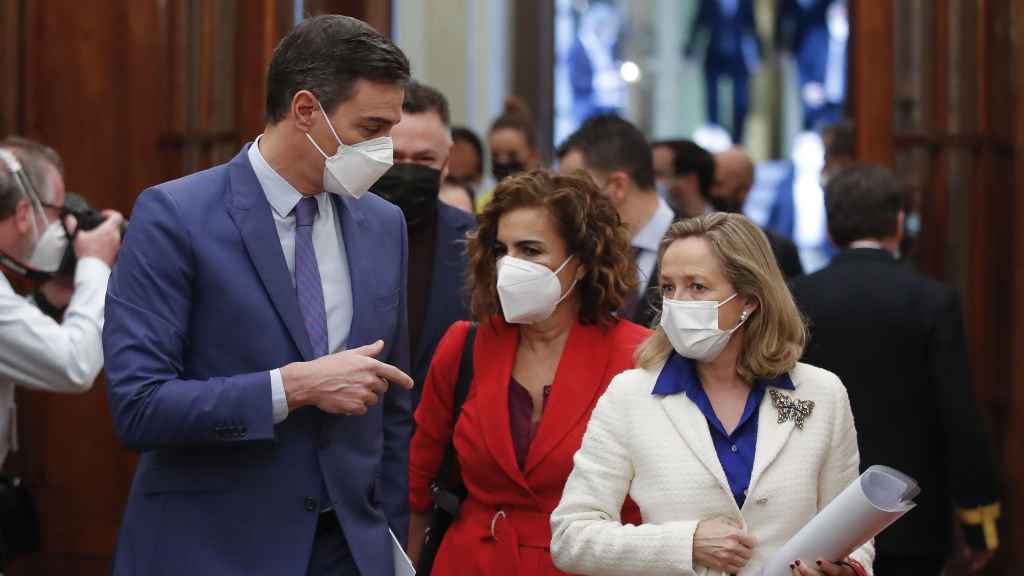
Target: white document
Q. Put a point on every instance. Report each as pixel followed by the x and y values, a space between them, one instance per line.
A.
pixel 879 497
pixel 403 566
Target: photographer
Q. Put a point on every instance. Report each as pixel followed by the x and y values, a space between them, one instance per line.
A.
pixel 38 241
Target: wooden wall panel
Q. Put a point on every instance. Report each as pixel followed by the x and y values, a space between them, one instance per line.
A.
pixel 131 93
pixel 1013 461
pixel 376 13
pixel 97 96
pixel 872 86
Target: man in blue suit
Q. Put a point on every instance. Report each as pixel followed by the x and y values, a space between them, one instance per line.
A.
pixel 244 322
pixel 437 232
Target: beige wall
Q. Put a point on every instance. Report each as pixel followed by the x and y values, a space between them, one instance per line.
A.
pixel 461 48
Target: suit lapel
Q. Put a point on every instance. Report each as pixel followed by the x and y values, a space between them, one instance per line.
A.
pixel 495 356
pixel 581 370
pixel 771 438
pixel 691 424
pixel 359 253
pixel 251 212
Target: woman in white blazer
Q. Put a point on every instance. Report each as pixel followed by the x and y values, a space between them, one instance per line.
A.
pixel 727 443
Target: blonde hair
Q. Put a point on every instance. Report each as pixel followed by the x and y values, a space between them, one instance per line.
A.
pixel 775 335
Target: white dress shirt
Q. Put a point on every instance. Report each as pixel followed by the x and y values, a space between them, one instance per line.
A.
pixel 648 240
pixel 331 258
pixel 38 352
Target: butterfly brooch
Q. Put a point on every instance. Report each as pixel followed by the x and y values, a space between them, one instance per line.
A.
pixel 791 408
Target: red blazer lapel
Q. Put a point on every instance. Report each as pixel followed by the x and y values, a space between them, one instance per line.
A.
pixel 578 381
pixel 495 355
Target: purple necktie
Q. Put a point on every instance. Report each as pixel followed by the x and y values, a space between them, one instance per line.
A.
pixel 307 277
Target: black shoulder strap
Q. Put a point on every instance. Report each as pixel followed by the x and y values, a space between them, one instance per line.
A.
pixel 465 373
pixel 446 486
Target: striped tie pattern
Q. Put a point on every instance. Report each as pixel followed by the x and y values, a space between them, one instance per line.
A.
pixel 308 289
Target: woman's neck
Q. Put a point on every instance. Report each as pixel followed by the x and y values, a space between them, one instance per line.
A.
pixel 552 331
pixel 722 371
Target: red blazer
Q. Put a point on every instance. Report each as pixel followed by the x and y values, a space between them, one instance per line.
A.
pixel 503 526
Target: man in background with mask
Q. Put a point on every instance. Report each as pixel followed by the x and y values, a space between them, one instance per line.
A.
pixel 256 334
pixel 37 351
pixel 617 156
pixel 437 231
pixel 734 177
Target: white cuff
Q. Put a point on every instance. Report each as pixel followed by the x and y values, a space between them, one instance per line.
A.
pixel 91 268
pixel 278 397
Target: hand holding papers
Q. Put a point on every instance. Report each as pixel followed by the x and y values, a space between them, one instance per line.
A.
pixel 879 497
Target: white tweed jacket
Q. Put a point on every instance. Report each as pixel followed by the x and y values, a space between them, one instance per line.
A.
pixel 658 450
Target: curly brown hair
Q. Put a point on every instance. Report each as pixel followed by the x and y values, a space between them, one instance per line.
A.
pixel 587 223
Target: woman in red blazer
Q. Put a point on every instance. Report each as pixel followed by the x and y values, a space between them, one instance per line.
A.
pixel 549 267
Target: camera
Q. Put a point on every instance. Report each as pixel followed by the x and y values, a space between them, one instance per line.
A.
pixel 87 218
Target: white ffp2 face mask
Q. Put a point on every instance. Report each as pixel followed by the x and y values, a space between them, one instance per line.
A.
pixel 49 248
pixel 529 292
pixel 692 327
pixel 353 169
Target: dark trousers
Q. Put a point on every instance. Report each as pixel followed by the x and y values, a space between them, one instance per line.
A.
pixel 908 565
pixel 740 99
pixel 331 555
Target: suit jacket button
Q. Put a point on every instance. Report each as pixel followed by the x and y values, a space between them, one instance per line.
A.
pixel 309 503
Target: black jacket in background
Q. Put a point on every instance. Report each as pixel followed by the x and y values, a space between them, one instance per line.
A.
pixel 896 340
pixel 786 254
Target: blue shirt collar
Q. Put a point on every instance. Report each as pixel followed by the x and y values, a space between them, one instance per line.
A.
pixel 680 375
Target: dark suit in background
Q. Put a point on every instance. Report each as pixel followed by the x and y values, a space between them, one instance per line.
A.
pixel 786 254
pixel 732 50
pixel 896 340
pixel 802 28
pixel 445 293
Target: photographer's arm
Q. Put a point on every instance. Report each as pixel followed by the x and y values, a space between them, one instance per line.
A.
pixel 38 352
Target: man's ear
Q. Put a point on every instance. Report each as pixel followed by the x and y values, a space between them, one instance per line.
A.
pixel 447 160
pixel 304 110
pixel 23 217
pixel 617 187
pixel 533 160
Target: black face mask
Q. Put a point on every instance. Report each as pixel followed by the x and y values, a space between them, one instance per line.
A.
pixel 502 170
pixel 413 188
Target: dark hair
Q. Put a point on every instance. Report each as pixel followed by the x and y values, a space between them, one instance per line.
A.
pixel 689 158
pixel 843 141
pixel 36 160
pixel 587 222
pixel 609 143
pixel 516 116
pixel 862 201
pixel 420 98
pixel 10 192
pixel 327 55
pixel 468 136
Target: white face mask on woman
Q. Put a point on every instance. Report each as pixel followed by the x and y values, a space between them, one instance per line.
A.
pixel 529 292
pixel 692 327
pixel 353 169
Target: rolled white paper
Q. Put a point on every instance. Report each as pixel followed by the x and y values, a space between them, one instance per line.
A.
pixel 879 497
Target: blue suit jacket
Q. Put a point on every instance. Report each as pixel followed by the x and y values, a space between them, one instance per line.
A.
pixel 447 301
pixel 199 307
